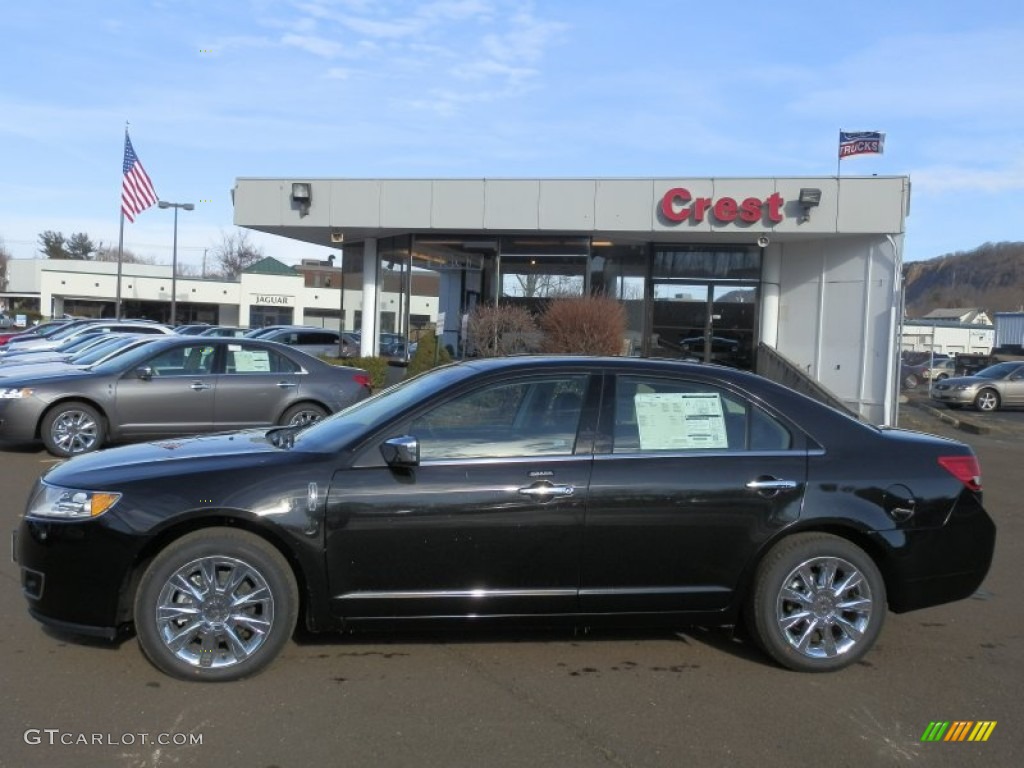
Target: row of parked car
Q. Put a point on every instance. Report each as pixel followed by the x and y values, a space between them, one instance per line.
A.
pixel 984 382
pixel 78 384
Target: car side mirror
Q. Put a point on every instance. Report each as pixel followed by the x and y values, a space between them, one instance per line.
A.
pixel 144 372
pixel 401 451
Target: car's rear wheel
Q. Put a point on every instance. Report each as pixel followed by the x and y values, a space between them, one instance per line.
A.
pixel 216 605
pixel 910 381
pixel 987 400
pixel 69 429
pixel 302 415
pixel 818 603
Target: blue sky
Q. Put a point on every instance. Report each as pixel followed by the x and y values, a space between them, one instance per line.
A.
pixel 215 90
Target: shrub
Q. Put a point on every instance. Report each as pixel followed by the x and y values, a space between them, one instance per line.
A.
pixel 424 358
pixel 377 367
pixel 503 329
pixel 584 325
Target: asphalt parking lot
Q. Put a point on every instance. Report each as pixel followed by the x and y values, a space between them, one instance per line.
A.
pixel 537 699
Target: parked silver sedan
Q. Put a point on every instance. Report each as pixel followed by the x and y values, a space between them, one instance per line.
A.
pixel 174 385
pixel 989 389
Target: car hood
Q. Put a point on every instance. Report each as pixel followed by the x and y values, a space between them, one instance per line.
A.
pixel 36 369
pixel 44 373
pixel 965 381
pixel 170 457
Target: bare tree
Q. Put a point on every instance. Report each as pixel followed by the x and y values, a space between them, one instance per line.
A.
pixel 234 253
pixel 109 253
pixel 5 256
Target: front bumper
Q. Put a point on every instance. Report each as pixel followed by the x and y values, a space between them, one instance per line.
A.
pixel 963 396
pixel 73 574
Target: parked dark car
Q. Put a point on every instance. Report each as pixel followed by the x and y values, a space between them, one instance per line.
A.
pixel 175 385
pixel 579 489
pixel 310 339
pixel 78 328
pixel 44 329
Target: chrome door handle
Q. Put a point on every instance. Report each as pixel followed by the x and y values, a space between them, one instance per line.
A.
pixel 771 484
pixel 286 384
pixel 198 386
pixel 547 491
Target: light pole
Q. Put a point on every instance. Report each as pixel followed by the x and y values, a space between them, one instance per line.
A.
pixel 174 256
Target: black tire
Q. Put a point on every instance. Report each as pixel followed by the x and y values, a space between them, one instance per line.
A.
pixel 302 415
pixel 798 615
pixel 987 400
pixel 910 381
pixel 212 638
pixel 942 376
pixel 70 429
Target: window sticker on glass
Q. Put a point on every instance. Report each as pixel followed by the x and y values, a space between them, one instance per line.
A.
pixel 252 361
pixel 680 421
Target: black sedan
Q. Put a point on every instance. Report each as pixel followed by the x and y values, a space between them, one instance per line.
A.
pixel 173 385
pixel 577 489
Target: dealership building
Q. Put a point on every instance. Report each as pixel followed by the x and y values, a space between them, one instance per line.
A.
pixel 786 276
pixel 795 278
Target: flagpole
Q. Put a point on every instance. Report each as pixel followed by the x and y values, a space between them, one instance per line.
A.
pixel 120 250
pixel 839 154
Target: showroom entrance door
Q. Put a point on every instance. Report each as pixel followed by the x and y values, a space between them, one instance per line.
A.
pixel 707 321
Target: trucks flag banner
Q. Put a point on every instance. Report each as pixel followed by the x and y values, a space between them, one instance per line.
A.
pixel 860 143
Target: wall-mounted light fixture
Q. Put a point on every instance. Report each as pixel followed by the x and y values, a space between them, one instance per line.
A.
pixel 810 197
pixel 302 195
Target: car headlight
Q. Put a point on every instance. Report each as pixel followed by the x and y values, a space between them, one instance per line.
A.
pixel 15 393
pixel 70 504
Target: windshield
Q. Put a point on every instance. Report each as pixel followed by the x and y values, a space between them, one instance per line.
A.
pixel 333 432
pixel 80 342
pixel 100 351
pixel 997 371
pixel 130 359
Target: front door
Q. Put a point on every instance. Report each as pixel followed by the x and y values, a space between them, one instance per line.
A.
pixel 489 523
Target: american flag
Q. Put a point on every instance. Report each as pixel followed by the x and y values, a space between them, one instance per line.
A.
pixel 137 193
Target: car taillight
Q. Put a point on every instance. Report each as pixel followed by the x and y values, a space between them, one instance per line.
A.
pixel 964 468
pixel 363 380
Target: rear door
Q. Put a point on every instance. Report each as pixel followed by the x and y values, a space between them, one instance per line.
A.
pixel 689 480
pixel 257 385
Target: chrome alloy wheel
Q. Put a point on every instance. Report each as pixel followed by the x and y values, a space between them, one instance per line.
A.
pixel 75 431
pixel 215 612
pixel 305 417
pixel 824 607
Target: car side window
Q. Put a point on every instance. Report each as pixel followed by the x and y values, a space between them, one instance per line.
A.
pixel 671 415
pixel 192 360
pixel 244 358
pixel 317 337
pixel 538 416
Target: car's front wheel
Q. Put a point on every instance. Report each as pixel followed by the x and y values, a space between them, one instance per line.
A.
pixel 818 603
pixel 987 400
pixel 69 429
pixel 216 605
pixel 302 415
